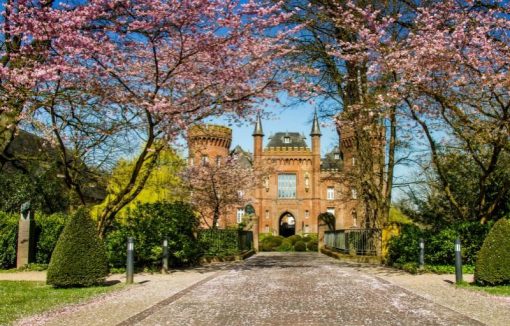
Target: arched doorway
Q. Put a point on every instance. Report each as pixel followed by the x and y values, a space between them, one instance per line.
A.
pixel 287 225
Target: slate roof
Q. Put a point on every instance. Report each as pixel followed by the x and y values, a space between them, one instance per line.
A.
pixel 296 140
pixel 333 160
pixel 245 158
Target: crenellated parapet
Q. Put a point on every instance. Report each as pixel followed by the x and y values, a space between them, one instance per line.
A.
pixel 210 135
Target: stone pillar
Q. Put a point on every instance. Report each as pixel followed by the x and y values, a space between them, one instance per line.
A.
pixel 26 242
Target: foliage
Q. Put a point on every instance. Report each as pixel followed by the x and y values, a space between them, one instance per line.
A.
pixel 163 185
pixel 439 243
pixel 270 242
pixel 285 246
pixel 493 262
pixel 21 298
pixel 312 245
pixel 501 290
pixel 43 189
pixel 8 239
pixel 448 269
pixel 300 246
pixel 397 216
pixel 149 224
pixel 219 242
pixel 48 230
pixel 216 188
pixel 79 258
pixel 294 238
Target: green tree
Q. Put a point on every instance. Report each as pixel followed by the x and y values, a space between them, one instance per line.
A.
pixel 79 258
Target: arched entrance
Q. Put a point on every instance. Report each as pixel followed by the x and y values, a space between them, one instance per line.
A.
pixel 287 225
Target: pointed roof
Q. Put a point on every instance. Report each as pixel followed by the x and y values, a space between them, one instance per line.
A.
pixel 316 130
pixel 258 127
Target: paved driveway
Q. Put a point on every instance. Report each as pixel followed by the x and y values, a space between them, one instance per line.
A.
pixel 296 289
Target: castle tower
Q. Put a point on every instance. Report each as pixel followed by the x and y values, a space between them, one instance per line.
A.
pixel 208 144
pixel 316 165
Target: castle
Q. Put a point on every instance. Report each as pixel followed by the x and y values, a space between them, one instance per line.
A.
pixel 301 185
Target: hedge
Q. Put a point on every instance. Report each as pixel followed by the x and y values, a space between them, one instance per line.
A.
pixel 493 263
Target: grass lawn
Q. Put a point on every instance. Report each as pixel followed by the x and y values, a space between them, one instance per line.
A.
pixel 503 290
pixel 22 298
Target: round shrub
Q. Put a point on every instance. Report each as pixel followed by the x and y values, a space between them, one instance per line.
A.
pixel 300 246
pixel 307 238
pixel 493 263
pixel 271 243
pixel 285 246
pixel 295 238
pixel 79 258
pixel 312 245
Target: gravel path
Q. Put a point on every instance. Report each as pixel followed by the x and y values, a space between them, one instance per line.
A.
pixel 286 289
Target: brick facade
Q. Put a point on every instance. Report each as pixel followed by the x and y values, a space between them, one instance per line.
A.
pixel 302 183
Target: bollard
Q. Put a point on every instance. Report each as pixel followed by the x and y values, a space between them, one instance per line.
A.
pixel 422 253
pixel 458 262
pixel 165 256
pixel 130 264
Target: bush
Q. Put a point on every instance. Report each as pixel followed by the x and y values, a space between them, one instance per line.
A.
pixel 312 245
pixel 404 247
pixel 295 238
pixel 219 242
pixel 300 246
pixel 270 243
pixel 286 245
pixel 8 239
pixel 79 258
pixel 47 232
pixel 493 263
pixel 149 224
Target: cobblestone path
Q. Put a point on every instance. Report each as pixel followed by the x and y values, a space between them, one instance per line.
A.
pixel 297 289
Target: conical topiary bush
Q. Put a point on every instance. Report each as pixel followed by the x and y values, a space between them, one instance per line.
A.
pixel 493 262
pixel 79 258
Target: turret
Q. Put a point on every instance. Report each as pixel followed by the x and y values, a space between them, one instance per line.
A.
pixel 316 135
pixel 258 136
pixel 208 144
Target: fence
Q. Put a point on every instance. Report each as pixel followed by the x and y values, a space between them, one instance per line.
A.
pixel 224 242
pixel 357 241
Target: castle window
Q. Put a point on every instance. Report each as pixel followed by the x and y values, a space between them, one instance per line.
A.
pixel 354 193
pixel 287 185
pixel 240 215
pixel 353 161
pixel 330 195
pixel 331 210
pixel 337 156
pixel 286 140
pixel 307 214
pixel 205 159
pixel 307 229
pixel 218 160
pixel 267 214
pixel 267 228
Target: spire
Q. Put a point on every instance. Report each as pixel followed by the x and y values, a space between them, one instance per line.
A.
pixel 316 130
pixel 258 127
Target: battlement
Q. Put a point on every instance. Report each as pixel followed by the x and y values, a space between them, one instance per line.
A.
pixel 209 130
pixel 297 150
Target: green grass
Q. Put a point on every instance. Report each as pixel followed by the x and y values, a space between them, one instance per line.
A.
pixel 502 290
pixel 22 298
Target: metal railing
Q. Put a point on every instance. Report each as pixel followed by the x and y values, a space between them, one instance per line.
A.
pixel 354 241
pixel 224 241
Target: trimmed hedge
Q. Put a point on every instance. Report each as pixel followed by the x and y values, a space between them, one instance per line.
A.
pixel 312 245
pixel 79 258
pixel 300 246
pixel 8 239
pixel 493 263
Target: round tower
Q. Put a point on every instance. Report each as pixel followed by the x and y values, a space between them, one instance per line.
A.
pixel 208 143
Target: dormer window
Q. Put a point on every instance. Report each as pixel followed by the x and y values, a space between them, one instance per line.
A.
pixel 286 140
pixel 337 156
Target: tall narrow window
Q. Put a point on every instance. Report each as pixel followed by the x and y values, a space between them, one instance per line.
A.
pixel 307 229
pixel 218 160
pixel 307 214
pixel 267 214
pixel 353 161
pixel 330 195
pixel 240 194
pixel 240 215
pixel 287 185
pixel 354 193
pixel 266 228
pixel 354 218
pixel 205 159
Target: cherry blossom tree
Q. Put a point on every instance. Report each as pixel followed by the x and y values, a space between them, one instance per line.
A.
pixel 137 70
pixel 218 189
